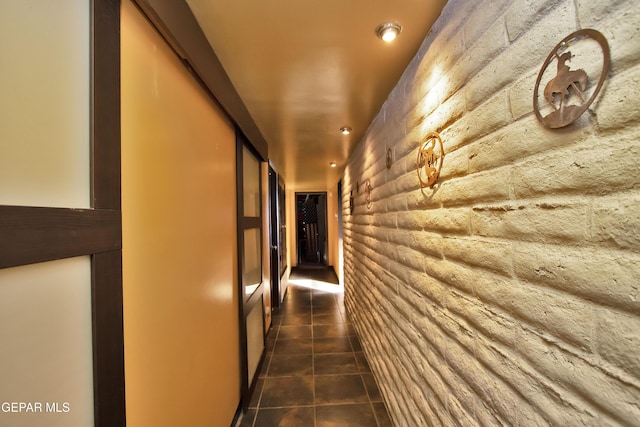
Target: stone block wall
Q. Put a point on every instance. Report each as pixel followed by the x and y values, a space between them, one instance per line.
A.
pixel 509 293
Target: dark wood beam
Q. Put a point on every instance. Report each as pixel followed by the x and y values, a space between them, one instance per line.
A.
pixel 106 266
pixel 108 343
pixel 37 234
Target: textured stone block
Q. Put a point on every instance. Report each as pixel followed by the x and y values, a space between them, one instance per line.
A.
pixel 476 188
pixel 619 104
pixel 592 13
pixel 528 52
pixel 484 41
pixel 552 221
pixel 522 139
pixel 618 340
pixel 487 320
pixel 580 169
pixel 594 387
pixel 616 221
pixel 480 253
pixel 609 278
pixel 521 97
pixel 486 118
pixel 523 14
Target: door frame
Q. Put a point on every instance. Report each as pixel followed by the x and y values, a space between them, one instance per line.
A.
pixel 247 303
pixel 274 227
pixel 324 261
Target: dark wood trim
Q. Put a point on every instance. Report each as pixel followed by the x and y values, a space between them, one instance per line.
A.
pixel 178 25
pixel 251 222
pixel 37 234
pixel 242 320
pixel 105 111
pixel 106 281
pixel 108 343
pixel 256 297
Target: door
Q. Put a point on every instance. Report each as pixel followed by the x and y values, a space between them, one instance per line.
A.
pixel 311 228
pixel 179 231
pixel 251 286
pixel 273 238
pixel 278 237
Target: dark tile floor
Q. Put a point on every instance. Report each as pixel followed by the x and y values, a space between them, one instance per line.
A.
pixel 314 373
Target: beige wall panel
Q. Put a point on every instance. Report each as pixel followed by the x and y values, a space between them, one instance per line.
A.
pixel 45 309
pixel 292 247
pixel 44 103
pixel 332 228
pixel 179 234
pixel 45 352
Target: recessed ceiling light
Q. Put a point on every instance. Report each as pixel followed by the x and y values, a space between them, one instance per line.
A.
pixel 332 164
pixel 388 31
pixel 345 130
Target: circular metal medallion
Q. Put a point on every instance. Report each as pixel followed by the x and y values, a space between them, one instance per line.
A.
pixel 568 92
pixel 429 161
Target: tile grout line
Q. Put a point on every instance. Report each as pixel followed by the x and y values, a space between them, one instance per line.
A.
pixel 264 381
pixel 313 363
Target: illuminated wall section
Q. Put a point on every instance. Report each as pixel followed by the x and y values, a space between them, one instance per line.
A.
pixel 507 293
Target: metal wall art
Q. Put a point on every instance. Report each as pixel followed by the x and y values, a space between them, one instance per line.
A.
pixel 568 92
pixel 351 204
pixel 367 197
pixel 430 158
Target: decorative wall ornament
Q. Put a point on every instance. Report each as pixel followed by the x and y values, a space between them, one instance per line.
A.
pixel 569 92
pixel 351 204
pixel 389 158
pixel 367 197
pixel 430 158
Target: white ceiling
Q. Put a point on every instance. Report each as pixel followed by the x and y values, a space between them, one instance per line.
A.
pixel 305 68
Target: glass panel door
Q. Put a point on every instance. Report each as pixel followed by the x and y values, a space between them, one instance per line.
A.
pixel 250 264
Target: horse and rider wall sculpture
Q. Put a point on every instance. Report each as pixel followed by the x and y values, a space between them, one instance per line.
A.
pixel 569 93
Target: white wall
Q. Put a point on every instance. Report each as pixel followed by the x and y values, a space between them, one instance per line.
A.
pixel 45 309
pixel 44 107
pixel 507 294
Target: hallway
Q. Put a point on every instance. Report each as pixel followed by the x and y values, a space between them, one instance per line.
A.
pixel 314 372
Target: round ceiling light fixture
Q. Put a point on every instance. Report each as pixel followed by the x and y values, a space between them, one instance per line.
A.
pixel 345 130
pixel 388 31
pixel 332 164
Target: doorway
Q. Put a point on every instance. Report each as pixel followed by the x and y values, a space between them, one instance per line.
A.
pixel 278 237
pixel 311 228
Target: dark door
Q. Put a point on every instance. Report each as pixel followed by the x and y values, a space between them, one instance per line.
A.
pixel 273 237
pixel 311 228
